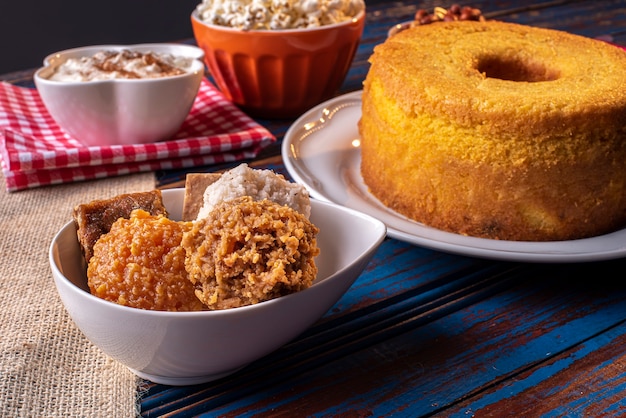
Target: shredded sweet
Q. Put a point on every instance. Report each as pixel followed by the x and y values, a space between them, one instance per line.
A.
pixel 246 251
pixel 258 184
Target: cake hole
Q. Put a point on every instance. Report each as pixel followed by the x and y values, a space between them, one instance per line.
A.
pixel 516 70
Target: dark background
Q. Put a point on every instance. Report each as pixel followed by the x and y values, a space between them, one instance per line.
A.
pixel 32 29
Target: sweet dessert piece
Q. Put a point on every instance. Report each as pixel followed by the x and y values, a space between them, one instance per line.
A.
pixel 497 130
pixel 258 184
pixel 140 263
pixel 248 251
pixel 195 187
pixel 95 218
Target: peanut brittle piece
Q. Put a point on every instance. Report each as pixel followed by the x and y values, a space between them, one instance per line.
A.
pixel 95 218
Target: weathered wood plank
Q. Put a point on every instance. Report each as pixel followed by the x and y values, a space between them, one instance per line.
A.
pixel 423 333
pixel 538 328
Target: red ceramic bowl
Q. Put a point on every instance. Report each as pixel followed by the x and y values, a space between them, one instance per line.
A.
pixel 280 73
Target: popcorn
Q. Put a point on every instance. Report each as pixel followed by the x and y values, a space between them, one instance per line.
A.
pixel 277 14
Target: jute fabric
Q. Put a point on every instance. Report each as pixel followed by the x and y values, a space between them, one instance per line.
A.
pixel 47 367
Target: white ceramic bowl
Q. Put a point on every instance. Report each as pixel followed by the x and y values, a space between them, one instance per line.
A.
pixel 181 348
pixel 121 111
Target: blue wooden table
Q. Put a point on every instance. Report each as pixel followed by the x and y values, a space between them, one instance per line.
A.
pixel 423 333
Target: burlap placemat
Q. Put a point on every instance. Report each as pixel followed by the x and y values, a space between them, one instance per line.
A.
pixel 47 367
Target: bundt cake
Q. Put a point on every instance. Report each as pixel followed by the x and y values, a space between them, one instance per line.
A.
pixel 497 130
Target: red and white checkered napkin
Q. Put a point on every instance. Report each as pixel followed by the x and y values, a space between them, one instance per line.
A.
pixel 36 152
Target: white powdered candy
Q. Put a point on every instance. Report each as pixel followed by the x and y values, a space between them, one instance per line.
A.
pixel 258 184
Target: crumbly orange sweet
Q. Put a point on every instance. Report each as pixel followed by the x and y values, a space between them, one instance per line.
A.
pixel 140 263
pixel 248 251
pixel 497 130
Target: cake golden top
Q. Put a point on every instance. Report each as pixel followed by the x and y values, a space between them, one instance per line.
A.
pixel 498 73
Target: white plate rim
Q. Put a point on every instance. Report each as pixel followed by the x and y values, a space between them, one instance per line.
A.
pixel 334 152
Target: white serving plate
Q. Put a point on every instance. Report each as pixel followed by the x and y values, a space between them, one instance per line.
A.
pixel 322 151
